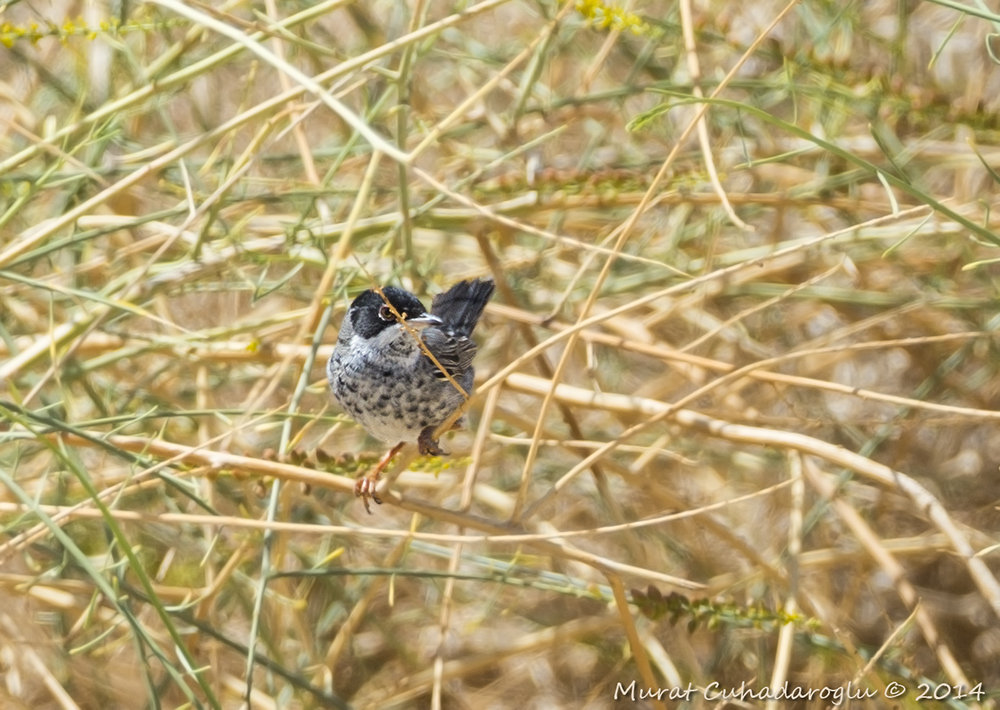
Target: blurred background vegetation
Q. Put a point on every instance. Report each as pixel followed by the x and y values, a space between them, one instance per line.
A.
pixel 752 244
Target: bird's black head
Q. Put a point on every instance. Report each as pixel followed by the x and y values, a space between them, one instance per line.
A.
pixel 370 314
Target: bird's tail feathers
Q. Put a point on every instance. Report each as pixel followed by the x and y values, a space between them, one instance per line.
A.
pixel 462 305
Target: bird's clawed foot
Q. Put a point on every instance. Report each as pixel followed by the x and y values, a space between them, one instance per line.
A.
pixel 365 487
pixel 429 446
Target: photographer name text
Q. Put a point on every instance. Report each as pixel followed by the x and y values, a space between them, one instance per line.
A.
pixel 836 694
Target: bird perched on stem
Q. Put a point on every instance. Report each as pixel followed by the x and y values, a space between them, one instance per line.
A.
pixel 402 372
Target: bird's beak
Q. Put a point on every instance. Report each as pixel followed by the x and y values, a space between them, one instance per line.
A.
pixel 423 321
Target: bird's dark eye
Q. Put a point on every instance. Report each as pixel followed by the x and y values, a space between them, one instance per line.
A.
pixel 385 313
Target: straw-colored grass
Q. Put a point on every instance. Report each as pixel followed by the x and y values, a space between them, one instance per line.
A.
pixel 736 408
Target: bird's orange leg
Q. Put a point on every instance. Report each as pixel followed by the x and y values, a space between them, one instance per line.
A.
pixel 365 487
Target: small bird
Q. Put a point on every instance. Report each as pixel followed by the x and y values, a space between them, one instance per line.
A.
pixel 402 372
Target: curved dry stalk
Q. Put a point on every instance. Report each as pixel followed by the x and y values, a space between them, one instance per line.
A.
pixel 869 540
pixel 694 69
pixel 786 637
pixel 447 596
pixel 223 461
pixel 86 512
pixel 759 436
pixel 378 143
pixel 703 363
pixel 634 642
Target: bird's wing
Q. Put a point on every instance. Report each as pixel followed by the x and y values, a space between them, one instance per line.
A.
pixel 453 351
